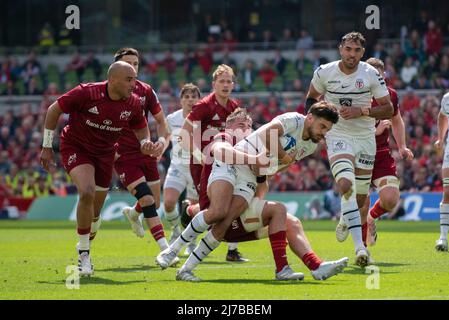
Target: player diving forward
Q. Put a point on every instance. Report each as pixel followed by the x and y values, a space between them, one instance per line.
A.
pixel 441 243
pixel 384 178
pixel 299 137
pixel 98 112
pixel 350 85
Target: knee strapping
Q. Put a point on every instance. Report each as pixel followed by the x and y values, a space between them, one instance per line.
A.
pixel 362 183
pixel 142 190
pixel 149 211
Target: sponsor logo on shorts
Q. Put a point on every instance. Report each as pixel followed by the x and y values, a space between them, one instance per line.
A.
pixel 367 159
pixel 251 185
pixel 71 159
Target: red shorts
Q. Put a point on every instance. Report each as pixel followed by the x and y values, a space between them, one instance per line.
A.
pixel 73 156
pixel 195 172
pixel 384 165
pixel 236 233
pixel 203 198
pixel 132 170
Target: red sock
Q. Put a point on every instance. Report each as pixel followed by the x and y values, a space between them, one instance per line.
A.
pixel 377 211
pixel 190 211
pixel 364 232
pixel 158 232
pixel 83 231
pixel 279 245
pixel 138 208
pixel 311 260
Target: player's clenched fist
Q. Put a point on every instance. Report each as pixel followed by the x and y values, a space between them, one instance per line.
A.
pixel 47 158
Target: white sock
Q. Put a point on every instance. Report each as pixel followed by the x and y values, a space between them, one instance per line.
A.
pixel 172 217
pixel 444 220
pixel 204 247
pixel 196 227
pixel 232 246
pixel 351 217
pixel 162 243
pixel 83 243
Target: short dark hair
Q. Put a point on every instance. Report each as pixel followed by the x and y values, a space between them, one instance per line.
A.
pixel 190 87
pixel 325 110
pixel 354 37
pixel 125 52
pixel 239 113
pixel 376 63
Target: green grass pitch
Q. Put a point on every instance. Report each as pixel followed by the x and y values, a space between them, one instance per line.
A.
pixel 34 257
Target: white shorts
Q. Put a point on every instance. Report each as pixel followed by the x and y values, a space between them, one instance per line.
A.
pixel 240 176
pixel 446 157
pixel 179 178
pixel 364 150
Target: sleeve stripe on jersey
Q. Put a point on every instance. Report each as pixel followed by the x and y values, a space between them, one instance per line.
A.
pixel 334 92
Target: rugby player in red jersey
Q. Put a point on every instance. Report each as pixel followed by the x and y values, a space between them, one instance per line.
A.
pixel 139 172
pixel 98 112
pixel 384 177
pixel 208 118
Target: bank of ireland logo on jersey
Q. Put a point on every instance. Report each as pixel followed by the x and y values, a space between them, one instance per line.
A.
pixel 125 115
pixel 107 122
pixel 359 84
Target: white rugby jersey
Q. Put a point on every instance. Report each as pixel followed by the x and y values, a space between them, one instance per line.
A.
pixel 356 89
pixel 175 122
pixel 293 125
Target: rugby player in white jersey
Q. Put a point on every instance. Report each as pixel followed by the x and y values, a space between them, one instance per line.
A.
pixel 287 138
pixel 350 85
pixel 441 243
pixel 178 176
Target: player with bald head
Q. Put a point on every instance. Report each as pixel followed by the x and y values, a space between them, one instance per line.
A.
pixel 97 114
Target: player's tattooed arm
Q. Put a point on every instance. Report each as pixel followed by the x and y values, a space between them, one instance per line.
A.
pixel 51 121
pixel 385 109
pixel 442 130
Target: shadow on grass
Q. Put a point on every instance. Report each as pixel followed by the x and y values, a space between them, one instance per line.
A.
pixel 360 271
pixel 130 269
pixel 267 282
pixel 95 280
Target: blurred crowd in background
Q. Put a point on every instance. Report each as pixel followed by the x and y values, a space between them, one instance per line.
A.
pixel 417 61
